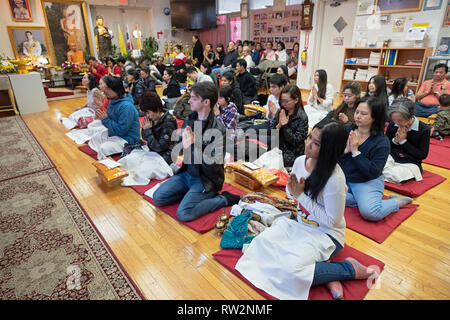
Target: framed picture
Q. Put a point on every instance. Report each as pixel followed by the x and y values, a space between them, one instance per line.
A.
pixel 392 6
pixel 432 4
pixel 68 30
pixel 365 7
pixel 29 43
pixel 447 16
pixel 20 10
pixel 244 10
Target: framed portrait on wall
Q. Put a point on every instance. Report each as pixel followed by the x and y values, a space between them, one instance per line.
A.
pixel 392 6
pixel 365 7
pixel 20 10
pixel 68 30
pixel 432 4
pixel 447 16
pixel 29 43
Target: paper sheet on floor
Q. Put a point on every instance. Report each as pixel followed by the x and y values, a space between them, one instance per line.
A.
pixel 80 136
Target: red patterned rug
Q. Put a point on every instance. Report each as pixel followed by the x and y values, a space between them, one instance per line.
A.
pixel 21 153
pixel 50 249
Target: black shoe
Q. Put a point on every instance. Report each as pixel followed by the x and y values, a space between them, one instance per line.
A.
pixel 232 199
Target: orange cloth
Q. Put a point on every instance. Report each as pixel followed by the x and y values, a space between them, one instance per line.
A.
pixel 431 99
pixel 77 57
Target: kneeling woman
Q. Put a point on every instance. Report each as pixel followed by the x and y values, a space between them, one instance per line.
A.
pixel 121 120
pixel 364 159
pixel 157 125
pixel 290 257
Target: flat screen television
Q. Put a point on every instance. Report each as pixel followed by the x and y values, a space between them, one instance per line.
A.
pixel 193 14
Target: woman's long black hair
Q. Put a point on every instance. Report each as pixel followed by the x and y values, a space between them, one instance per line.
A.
pixel 381 91
pixel 332 145
pixel 92 81
pixel 322 83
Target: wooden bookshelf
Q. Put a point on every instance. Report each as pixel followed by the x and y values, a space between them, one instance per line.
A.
pixel 391 72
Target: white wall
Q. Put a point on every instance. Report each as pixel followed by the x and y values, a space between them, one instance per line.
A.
pixel 368 27
pixel 331 56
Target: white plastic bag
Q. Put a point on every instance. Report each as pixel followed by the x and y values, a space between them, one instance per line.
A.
pixel 272 159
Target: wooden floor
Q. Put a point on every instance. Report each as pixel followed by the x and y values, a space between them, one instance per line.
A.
pixel 170 261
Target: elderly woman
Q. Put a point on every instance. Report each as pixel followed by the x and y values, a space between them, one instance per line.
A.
pixel 409 137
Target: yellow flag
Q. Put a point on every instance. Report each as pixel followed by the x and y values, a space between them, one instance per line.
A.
pixel 138 38
pixel 123 49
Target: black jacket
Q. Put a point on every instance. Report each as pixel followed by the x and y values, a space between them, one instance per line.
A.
pixel 211 175
pixel 182 108
pixel 159 137
pixel 230 58
pixel 247 84
pixel 218 62
pixel 172 90
pixel 236 97
pixel 292 136
pixel 140 86
pixel 416 147
pixel 197 53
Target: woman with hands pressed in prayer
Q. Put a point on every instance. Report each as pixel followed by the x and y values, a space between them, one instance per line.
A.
pixel 318 184
pixel 364 159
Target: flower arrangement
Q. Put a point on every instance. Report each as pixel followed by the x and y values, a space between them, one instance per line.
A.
pixel 5 65
pixel 67 65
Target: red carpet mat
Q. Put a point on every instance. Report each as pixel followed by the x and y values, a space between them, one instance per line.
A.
pixel 86 149
pixel 202 224
pixel 379 230
pixel 439 155
pixel 413 188
pixel 53 94
pixel 443 143
pixel 353 289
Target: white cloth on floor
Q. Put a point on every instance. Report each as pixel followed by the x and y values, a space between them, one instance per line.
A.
pixel 267 212
pixel 101 143
pixel 72 121
pixel 149 193
pixel 143 165
pixel 395 172
pixel 281 260
pixel 68 123
pixel 272 159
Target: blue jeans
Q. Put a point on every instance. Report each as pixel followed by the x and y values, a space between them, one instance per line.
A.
pixel 325 272
pixel 367 197
pixel 423 110
pixel 218 70
pixel 195 202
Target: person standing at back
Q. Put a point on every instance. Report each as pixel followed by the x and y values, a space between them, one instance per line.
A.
pixel 197 51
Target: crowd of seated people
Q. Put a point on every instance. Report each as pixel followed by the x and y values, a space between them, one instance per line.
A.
pixel 339 163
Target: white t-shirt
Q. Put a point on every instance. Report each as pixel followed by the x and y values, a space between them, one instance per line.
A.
pixel 282 55
pixel 250 62
pixel 327 212
pixel 317 111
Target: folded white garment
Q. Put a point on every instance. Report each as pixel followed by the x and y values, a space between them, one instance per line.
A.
pixel 395 172
pixel 68 123
pixel 143 165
